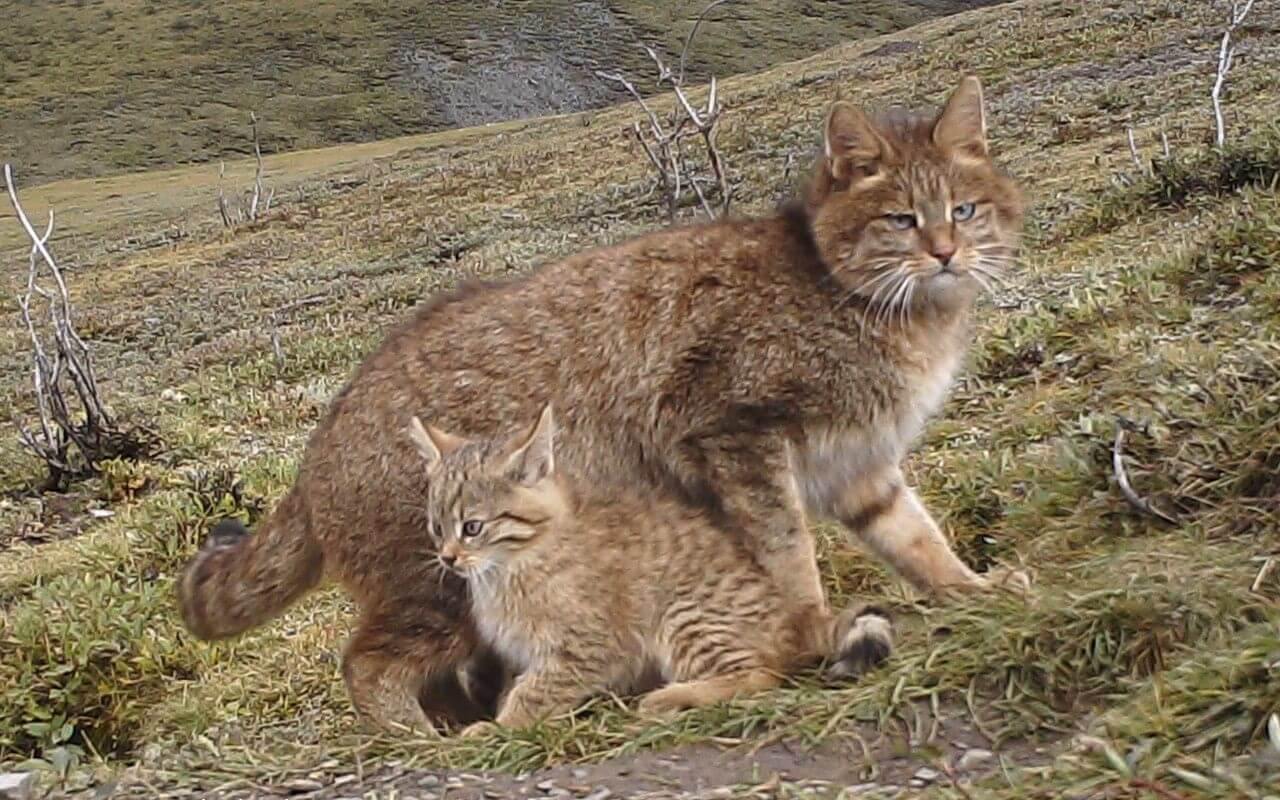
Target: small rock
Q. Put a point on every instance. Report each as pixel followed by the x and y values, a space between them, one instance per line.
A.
pixel 172 396
pixel 16 785
pixel 926 776
pixel 429 780
pixel 602 793
pixel 974 758
pixel 101 513
pixel 302 785
pixel 545 786
pixel 580 774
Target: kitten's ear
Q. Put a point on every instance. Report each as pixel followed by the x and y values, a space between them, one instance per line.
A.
pixel 850 141
pixel 432 443
pixel 533 458
pixel 962 125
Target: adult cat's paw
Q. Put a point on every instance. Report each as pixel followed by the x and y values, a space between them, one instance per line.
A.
pixel 1008 579
pixel 864 641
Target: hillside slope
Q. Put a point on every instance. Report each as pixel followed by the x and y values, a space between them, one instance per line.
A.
pixel 1146 666
pixel 95 88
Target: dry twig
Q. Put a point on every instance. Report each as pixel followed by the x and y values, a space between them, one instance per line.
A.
pixel 279 315
pixel 1122 477
pixel 1226 55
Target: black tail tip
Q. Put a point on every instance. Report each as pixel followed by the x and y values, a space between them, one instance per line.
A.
pixel 226 533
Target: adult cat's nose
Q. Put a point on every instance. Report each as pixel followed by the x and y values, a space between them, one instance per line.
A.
pixel 943 252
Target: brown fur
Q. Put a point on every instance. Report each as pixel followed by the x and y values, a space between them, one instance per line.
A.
pixel 587 594
pixel 756 369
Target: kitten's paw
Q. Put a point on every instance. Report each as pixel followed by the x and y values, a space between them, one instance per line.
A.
pixel 864 641
pixel 665 702
pixel 482 728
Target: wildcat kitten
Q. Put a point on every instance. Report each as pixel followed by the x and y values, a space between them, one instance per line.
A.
pixel 754 369
pixel 584 595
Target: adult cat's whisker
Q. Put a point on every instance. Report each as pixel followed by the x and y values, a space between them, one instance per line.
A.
pixel 983 282
pixel 982 268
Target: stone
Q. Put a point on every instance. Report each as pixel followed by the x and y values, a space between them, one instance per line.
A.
pixel 926 776
pixel 302 786
pixel 974 758
pixel 16 785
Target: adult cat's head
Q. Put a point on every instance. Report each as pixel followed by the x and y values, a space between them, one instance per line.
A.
pixel 907 210
pixel 489 498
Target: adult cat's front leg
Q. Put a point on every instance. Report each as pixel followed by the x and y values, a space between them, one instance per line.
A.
pixel 749 488
pixel 889 518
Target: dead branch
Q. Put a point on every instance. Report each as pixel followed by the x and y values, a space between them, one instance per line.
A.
pixel 1122 476
pixel 256 201
pixel 684 52
pixel 1133 150
pixel 1226 55
pixel 91 429
pixel 664 139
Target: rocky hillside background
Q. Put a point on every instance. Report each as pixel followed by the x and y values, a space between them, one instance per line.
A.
pixel 94 88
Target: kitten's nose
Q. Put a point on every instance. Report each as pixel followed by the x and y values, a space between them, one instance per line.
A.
pixel 448 559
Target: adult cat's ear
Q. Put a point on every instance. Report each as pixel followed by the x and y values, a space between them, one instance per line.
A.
pixel 850 141
pixel 432 443
pixel 962 125
pixel 533 457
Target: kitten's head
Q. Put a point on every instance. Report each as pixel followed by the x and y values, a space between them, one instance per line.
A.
pixel 908 211
pixel 488 499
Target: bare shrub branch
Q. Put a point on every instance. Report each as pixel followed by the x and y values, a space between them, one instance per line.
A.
pixel 666 138
pixel 253 204
pixel 684 52
pixel 1122 476
pixel 1226 55
pixel 84 423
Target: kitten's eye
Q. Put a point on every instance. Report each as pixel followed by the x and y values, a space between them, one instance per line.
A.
pixel 472 527
pixel 962 212
pixel 902 222
pixel 437 531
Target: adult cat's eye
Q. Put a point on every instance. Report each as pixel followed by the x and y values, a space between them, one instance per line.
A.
pixel 472 527
pixel 962 212
pixel 902 222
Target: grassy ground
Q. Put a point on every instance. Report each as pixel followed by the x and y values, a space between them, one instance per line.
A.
pixel 96 88
pixel 1156 300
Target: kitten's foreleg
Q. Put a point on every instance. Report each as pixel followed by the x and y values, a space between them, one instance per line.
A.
pixel 545 690
pixel 698 693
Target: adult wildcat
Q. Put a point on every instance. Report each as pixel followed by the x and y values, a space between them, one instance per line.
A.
pixel 754 369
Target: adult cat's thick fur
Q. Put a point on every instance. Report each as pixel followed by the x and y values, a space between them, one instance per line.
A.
pixel 754 368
